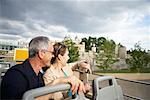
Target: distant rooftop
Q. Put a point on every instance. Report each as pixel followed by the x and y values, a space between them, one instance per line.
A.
pixel 13 42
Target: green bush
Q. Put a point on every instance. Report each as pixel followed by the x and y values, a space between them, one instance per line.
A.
pixel 143 70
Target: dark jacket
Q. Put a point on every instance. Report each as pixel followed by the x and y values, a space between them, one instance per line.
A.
pixel 18 79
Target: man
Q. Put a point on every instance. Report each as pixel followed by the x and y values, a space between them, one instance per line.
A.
pixel 22 77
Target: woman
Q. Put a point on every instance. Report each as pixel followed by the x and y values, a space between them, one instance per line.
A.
pixel 59 68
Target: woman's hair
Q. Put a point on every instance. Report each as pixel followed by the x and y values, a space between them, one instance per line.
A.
pixel 36 44
pixel 58 49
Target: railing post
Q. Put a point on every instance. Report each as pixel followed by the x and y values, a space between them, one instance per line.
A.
pixel 83 76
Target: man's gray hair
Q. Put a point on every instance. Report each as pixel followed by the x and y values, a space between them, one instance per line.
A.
pixel 37 44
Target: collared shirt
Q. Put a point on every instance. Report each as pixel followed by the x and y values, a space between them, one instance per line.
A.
pixel 18 79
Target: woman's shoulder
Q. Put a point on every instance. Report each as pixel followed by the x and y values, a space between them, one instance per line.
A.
pixel 49 76
pixel 68 70
pixel 50 70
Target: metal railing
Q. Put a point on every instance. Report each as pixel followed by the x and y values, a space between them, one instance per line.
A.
pixel 127 80
pixel 31 94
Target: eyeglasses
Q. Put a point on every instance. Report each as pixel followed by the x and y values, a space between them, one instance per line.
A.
pixel 48 51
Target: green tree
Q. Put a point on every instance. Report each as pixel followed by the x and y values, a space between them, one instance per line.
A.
pixel 89 42
pixel 139 60
pixel 146 57
pixel 101 41
pixel 105 50
pixel 85 40
pixel 73 50
pixel 106 53
pixel 100 56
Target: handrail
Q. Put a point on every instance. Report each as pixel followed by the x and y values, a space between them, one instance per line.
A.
pixel 134 81
pixel 33 93
pixel 30 94
pixel 133 97
pixel 140 82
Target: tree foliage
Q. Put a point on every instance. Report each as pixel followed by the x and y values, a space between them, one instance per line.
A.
pixel 98 42
pixel 139 58
pixel 105 53
pixel 73 50
pixel 105 50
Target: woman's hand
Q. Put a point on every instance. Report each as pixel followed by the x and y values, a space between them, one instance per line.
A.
pixel 85 64
pixel 87 87
pixel 76 85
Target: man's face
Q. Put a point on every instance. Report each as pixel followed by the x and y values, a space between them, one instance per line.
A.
pixel 48 55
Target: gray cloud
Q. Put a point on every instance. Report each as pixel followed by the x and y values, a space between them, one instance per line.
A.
pixel 54 18
pixel 7 27
pixel 74 15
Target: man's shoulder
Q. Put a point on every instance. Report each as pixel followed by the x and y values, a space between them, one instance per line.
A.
pixel 16 67
pixel 20 66
pixel 14 70
pixel 12 73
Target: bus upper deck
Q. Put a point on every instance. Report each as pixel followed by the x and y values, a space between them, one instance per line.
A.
pixel 103 88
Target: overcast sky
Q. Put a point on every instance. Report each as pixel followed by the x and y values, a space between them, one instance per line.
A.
pixel 124 21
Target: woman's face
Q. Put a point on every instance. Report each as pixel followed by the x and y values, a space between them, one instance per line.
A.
pixel 64 59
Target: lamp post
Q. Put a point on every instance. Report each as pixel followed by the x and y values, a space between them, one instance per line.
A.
pixel 93 56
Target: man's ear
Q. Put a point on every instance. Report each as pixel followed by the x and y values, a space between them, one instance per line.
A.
pixel 41 54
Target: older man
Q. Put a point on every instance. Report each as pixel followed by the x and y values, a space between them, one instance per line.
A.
pixel 22 77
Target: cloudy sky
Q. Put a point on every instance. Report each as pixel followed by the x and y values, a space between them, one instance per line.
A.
pixel 124 21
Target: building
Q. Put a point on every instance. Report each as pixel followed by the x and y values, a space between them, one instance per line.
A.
pixel 7 49
pixel 11 44
pixel 122 53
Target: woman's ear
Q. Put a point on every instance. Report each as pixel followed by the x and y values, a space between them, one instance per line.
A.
pixel 60 57
pixel 62 60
